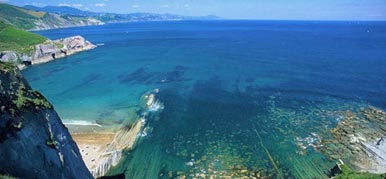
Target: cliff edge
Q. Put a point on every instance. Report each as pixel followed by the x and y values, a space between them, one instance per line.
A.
pixel 34 143
pixel 47 51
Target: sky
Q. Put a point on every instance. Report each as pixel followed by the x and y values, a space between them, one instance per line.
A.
pixel 234 9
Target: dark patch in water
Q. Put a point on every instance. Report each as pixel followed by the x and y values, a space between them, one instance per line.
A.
pixel 53 70
pixel 45 74
pixel 140 76
pixel 250 79
pixel 143 76
pixel 181 68
pixel 212 116
pixel 173 76
pixel 89 80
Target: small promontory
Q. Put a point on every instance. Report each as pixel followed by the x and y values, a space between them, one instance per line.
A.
pixel 34 143
pixel 25 48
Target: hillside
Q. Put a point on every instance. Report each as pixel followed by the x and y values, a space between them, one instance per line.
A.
pixel 64 10
pixel 114 17
pixel 15 39
pixel 37 20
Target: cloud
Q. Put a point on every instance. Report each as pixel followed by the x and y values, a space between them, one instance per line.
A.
pixel 100 4
pixel 37 4
pixel 71 5
pixel 165 6
pixel 186 5
pixel 135 6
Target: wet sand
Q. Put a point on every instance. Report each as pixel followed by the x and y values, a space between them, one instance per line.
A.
pixel 97 144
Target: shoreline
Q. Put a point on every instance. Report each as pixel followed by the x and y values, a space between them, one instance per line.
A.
pixel 48 51
pixel 101 146
pixel 46 59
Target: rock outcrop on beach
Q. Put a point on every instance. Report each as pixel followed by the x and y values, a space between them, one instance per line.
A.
pixel 126 137
pixel 47 51
pixel 34 143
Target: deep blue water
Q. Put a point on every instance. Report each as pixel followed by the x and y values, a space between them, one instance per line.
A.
pixel 225 85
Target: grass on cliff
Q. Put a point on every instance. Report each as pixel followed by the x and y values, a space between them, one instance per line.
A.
pixel 19 17
pixel 18 40
pixel 348 173
pixel 6 177
pixel 16 93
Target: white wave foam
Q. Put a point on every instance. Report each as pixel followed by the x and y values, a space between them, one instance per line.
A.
pixel 80 123
pixel 156 106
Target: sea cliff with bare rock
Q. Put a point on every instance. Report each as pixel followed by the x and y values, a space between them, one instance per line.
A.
pixel 34 143
pixel 47 51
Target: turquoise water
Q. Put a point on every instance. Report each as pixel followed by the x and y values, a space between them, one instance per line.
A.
pixel 237 94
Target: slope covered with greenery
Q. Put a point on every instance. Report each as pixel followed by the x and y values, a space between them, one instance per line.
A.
pixel 114 17
pixel 28 19
pixel 15 39
pixel 348 173
pixel 19 17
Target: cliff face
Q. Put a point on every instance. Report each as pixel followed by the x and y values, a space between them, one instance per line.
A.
pixel 47 51
pixel 55 21
pixel 34 143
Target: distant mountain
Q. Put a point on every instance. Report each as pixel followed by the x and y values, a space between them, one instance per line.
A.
pixel 114 17
pixel 37 20
pixel 64 10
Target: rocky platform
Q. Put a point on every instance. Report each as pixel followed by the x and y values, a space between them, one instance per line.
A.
pixel 47 51
pixel 359 139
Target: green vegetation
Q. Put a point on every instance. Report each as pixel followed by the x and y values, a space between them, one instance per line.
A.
pixel 26 19
pixel 6 177
pixel 347 173
pixel 51 142
pixel 37 14
pixel 17 98
pixel 7 68
pixel 18 40
pixel 17 17
pixel 59 45
pixel 24 100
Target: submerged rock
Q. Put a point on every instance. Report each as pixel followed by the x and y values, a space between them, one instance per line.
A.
pixel 34 143
pixel 358 139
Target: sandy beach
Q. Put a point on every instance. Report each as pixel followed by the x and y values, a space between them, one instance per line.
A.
pixel 97 144
pixel 92 145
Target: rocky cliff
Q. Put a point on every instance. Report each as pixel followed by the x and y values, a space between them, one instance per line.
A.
pixel 55 21
pixel 47 51
pixel 34 143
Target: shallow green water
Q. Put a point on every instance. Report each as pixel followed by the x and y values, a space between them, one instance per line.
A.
pixel 238 95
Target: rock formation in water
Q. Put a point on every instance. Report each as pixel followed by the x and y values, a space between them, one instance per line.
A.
pixel 127 137
pixel 47 51
pixel 359 140
pixel 34 143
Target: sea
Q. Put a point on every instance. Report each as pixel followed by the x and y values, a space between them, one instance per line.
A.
pixel 240 98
